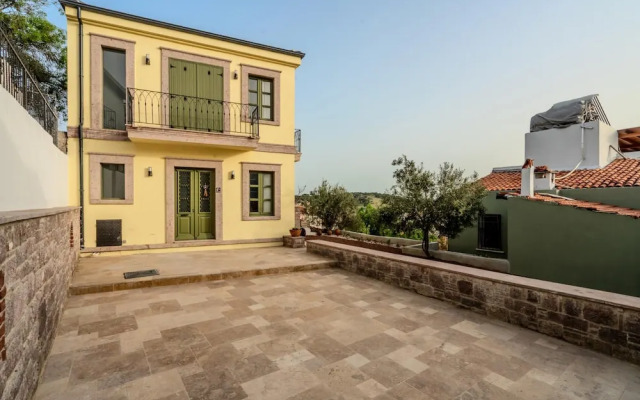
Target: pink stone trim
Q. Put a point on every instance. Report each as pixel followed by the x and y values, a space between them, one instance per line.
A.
pixel 98 42
pixel 95 177
pixel 247 70
pixel 275 168
pixel 170 204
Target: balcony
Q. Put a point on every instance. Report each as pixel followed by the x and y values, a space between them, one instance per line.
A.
pixel 161 117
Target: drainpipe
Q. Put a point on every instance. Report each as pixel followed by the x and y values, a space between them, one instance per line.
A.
pixel 81 123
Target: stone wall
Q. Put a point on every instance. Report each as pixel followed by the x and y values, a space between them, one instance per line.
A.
pixel 603 321
pixel 37 258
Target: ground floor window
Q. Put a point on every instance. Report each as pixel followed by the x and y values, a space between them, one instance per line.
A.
pixel 112 181
pixel 490 232
pixel 260 193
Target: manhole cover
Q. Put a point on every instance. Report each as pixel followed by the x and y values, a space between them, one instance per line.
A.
pixel 140 274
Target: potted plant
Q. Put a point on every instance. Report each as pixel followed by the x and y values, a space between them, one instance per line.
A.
pixel 295 232
pixel 337 232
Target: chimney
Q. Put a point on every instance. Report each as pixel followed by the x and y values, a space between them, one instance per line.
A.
pixel 527 180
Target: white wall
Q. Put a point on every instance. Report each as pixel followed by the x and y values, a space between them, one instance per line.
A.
pixel 560 149
pixel 33 171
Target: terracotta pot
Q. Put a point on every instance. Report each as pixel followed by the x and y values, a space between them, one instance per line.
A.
pixel 337 232
pixel 295 232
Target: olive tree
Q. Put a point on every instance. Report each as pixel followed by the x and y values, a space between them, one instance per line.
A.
pixel 445 202
pixel 331 205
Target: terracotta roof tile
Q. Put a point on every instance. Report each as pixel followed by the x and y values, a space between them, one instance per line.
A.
pixel 619 173
pixel 586 205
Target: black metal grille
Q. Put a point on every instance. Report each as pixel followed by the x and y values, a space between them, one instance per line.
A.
pixel 109 232
pixel 205 191
pixel 298 140
pixel 19 82
pixel 490 232
pixel 146 107
pixel 184 191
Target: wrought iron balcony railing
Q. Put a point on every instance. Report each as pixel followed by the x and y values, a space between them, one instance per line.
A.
pixel 298 140
pixel 20 83
pixel 173 111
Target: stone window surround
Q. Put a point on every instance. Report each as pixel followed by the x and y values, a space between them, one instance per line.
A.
pixel 247 70
pixel 170 202
pixel 98 42
pixel 95 177
pixel 259 167
pixel 166 54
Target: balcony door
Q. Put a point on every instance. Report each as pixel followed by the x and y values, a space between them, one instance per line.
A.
pixel 196 96
pixel 194 204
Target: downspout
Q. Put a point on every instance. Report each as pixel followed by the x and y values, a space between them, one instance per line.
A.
pixel 81 123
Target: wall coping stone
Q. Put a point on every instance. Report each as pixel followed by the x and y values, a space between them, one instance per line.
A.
pixel 21 215
pixel 613 299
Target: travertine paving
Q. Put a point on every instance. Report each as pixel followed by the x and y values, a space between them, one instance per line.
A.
pixel 325 334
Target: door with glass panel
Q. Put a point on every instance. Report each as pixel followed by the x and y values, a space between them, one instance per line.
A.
pixel 194 219
pixel 113 88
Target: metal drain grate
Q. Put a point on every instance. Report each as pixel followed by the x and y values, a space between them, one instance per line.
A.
pixel 140 274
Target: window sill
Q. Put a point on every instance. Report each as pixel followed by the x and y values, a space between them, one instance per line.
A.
pixel 110 201
pixel 491 251
pixel 261 218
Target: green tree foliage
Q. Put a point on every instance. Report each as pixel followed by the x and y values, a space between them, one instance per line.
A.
pixel 445 202
pixel 42 45
pixel 332 206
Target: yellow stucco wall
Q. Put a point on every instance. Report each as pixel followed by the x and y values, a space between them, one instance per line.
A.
pixel 150 39
pixel 144 221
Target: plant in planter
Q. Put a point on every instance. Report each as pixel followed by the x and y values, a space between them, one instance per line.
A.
pixel 337 232
pixel 295 232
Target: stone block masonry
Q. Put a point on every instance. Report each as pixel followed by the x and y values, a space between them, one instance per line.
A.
pixel 37 259
pixel 606 322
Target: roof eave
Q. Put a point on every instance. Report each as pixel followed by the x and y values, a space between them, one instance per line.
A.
pixel 131 17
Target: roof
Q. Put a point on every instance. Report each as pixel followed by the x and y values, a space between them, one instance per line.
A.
pixel 629 139
pixel 585 205
pixel 619 173
pixel 131 17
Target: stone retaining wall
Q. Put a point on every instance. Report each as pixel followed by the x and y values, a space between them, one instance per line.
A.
pixel 37 256
pixel 603 321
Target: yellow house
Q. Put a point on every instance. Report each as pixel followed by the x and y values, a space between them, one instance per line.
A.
pixel 177 138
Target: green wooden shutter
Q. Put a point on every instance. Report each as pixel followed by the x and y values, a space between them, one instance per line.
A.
pixel 183 89
pixel 210 95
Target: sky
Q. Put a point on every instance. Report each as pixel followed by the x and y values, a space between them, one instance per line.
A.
pixel 454 80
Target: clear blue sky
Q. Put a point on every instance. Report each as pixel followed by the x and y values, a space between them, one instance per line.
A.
pixel 438 81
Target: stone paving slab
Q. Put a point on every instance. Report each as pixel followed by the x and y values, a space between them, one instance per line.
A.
pixel 325 334
pixel 105 273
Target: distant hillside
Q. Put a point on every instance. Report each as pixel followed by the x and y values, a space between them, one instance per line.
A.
pixel 363 198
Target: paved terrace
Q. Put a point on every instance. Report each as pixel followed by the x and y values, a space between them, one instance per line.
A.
pixel 325 334
pixel 105 273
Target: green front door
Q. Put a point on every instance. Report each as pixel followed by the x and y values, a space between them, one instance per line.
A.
pixel 195 96
pixel 194 204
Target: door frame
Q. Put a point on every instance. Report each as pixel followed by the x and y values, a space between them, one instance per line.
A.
pixel 170 169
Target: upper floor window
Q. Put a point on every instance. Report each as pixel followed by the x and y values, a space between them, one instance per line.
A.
pixel 490 232
pixel 113 88
pixel 261 97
